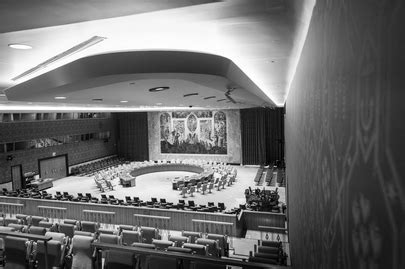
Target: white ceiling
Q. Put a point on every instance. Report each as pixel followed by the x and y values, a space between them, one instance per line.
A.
pixel 259 37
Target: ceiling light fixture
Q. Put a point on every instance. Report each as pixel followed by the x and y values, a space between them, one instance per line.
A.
pixel 190 94
pixel 159 104
pixel 79 47
pixel 123 101
pixel 18 46
pixel 220 100
pixel 97 100
pixel 209 97
pixel 59 97
pixel 159 89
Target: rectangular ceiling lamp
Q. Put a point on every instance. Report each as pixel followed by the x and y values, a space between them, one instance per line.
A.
pixel 79 47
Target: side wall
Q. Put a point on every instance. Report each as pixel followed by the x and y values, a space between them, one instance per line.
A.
pixel 233 139
pixel 77 152
pixel 345 139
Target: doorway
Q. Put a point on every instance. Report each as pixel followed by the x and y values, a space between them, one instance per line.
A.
pixel 17 177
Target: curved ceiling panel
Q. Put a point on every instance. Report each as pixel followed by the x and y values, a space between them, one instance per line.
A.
pixel 102 71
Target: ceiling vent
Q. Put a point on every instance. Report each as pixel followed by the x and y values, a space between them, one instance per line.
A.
pixel 79 47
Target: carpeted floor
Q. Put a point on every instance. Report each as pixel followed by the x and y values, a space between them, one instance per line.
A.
pixel 159 185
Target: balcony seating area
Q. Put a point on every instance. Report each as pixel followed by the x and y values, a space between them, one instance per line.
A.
pixel 71 244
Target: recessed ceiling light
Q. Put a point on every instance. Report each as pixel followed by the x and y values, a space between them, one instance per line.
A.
pixel 220 100
pixel 209 97
pixel 59 97
pixel 20 46
pixel 159 89
pixel 97 100
pixel 123 101
pixel 190 94
pixel 29 103
pixel 159 104
pixel 2 95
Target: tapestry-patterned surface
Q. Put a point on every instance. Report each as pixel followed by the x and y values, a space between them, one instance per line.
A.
pixel 345 138
pixel 193 132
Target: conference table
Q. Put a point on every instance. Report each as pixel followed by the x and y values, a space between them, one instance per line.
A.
pixel 201 173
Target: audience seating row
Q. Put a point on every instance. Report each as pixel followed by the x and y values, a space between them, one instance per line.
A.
pixel 270 252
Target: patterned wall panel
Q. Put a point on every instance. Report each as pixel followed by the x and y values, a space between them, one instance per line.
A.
pixel 77 152
pixel 345 139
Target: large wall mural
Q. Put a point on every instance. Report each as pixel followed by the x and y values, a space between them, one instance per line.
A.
pixel 193 132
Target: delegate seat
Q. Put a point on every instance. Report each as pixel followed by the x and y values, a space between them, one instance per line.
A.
pixel 148 234
pixel 212 246
pixel 53 227
pixel 67 229
pixel 162 244
pixel 82 255
pixel 37 230
pixel 109 239
pixel 180 249
pixel 17 251
pixel 178 240
pixel 222 243
pixel 18 227
pixel 130 237
pixel 196 249
pixel 123 227
pixel 192 236
pixel 204 188
pixel 89 226
pixel 55 254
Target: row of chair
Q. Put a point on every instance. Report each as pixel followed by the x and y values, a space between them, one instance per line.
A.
pixel 95 166
pixel 270 252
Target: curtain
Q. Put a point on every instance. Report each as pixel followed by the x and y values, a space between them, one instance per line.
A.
pixel 262 132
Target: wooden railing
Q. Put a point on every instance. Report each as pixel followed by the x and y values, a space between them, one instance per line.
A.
pixel 115 214
pixel 254 220
pixel 202 260
pixel 170 219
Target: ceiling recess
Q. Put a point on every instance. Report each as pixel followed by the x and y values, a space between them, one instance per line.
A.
pixel 88 43
pixel 209 97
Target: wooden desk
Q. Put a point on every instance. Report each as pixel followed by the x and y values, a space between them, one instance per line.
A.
pixel 128 181
pixel 42 184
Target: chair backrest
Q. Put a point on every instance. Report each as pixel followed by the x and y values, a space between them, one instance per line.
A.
pixel 36 219
pixel 87 234
pixel 89 226
pixel 17 227
pixel 197 249
pixel 37 230
pixel 82 252
pixel 67 229
pixel 179 249
pixel 123 227
pixel 109 239
pixel 162 244
pixel 106 231
pixel 178 240
pixel 191 235
pixel 222 242
pixel 148 234
pixel 55 254
pixel 17 251
pixel 60 237
pixel 130 237
pixel 212 246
